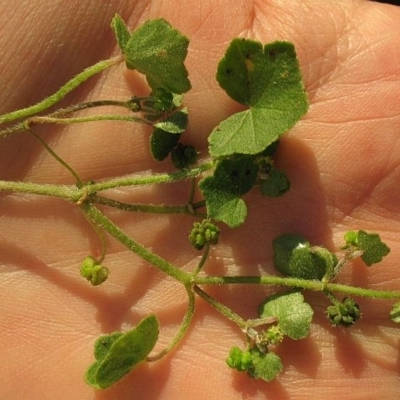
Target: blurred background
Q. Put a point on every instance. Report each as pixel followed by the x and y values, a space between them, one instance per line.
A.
pixel 394 2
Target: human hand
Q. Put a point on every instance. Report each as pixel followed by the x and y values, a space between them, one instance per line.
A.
pixel 342 160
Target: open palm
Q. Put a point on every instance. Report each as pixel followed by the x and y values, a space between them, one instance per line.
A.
pixel 343 160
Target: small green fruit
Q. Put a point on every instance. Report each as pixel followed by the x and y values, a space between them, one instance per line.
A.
pixel 94 272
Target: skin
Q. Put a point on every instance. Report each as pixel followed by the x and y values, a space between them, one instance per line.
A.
pixel 343 160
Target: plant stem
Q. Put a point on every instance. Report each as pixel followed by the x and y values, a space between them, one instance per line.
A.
pixel 299 283
pixel 147 208
pixel 199 204
pixel 203 260
pixel 74 194
pixel 91 104
pixel 224 310
pixel 99 219
pixel 182 329
pixel 62 92
pixel 57 157
pixel 149 179
pixel 362 292
pixel 77 120
pixel 71 193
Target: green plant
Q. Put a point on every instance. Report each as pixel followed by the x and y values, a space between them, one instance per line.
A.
pixel 267 80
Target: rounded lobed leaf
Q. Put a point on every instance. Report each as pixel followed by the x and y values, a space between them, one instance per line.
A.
pixel 118 353
pixel 232 178
pixel 265 366
pixel 162 143
pixel 173 123
pixel 268 80
pixel 293 256
pixel 370 244
pixel 276 184
pixel 294 315
pixel 158 50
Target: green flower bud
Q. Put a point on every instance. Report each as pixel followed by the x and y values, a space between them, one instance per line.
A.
pixel 345 313
pixel 94 272
pixel 238 359
pixel 202 233
pixel 274 335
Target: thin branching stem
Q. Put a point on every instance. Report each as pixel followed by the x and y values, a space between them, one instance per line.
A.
pixel 313 285
pixel 61 93
pixel 182 329
pixel 221 308
pixel 57 157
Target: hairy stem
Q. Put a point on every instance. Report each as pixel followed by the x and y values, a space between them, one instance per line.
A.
pixel 224 310
pixel 78 120
pixel 130 105
pixel 99 219
pixel 298 283
pixel 203 260
pixel 182 329
pixel 57 157
pixel 146 208
pixel 149 179
pixel 74 194
pixel 70 192
pixel 61 93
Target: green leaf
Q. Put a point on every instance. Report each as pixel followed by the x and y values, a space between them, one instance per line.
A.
pixel 175 122
pixel 277 184
pixel 232 178
pixel 121 31
pixel 371 245
pixel 265 366
pixel 103 344
pixel 293 256
pixel 118 353
pixel 328 259
pixel 226 208
pixel 268 80
pixel 294 315
pixel 395 313
pixel 162 143
pixel 162 100
pixel 271 149
pixel 158 50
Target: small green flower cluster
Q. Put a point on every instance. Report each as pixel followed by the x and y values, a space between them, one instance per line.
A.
pixel 239 359
pixel 273 335
pixel 345 313
pixel 94 272
pixel 203 233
